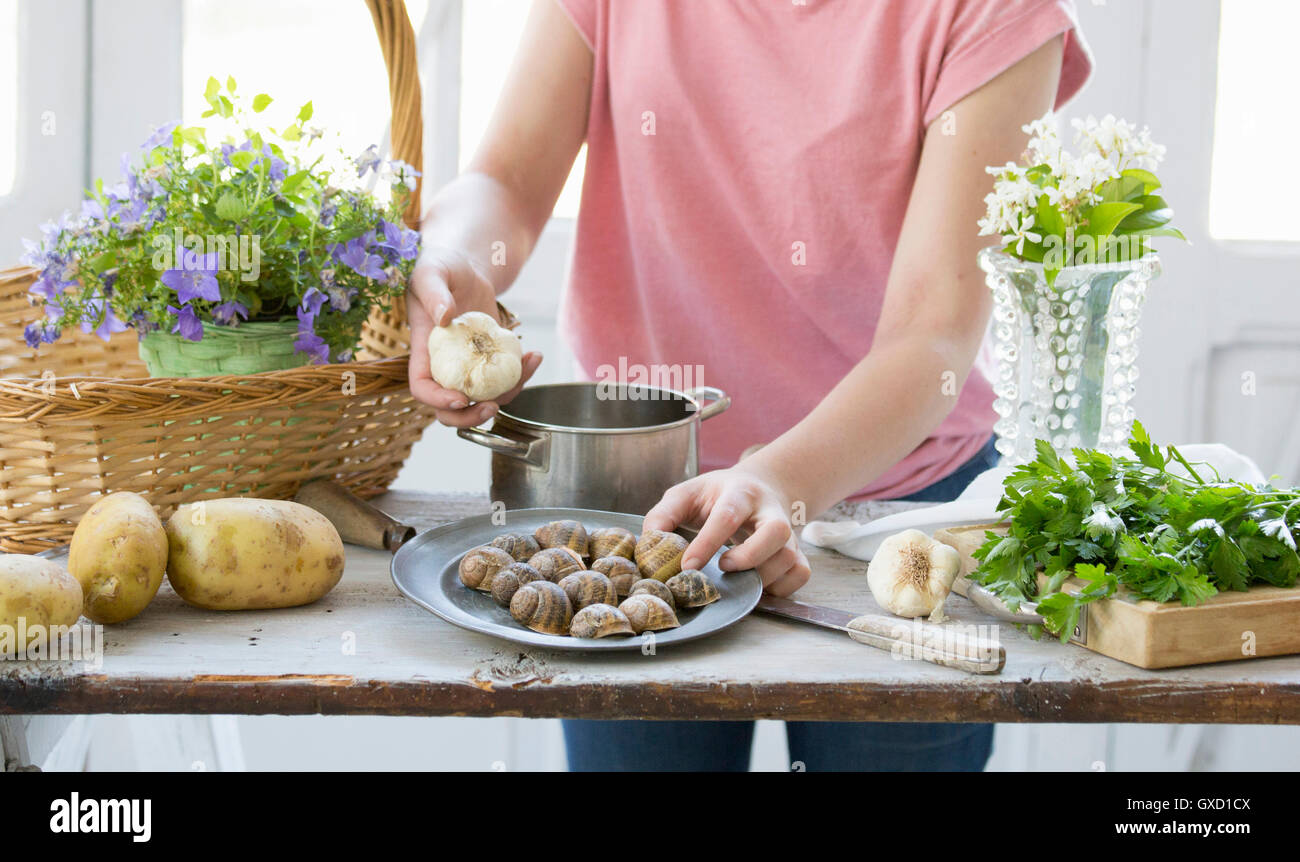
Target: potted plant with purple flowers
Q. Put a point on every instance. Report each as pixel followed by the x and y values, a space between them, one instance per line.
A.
pixel 250 253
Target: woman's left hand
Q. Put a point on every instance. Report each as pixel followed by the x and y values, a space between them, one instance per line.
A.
pixel 738 502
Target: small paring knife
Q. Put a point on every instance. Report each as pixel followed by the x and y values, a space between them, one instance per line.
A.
pixel 907 639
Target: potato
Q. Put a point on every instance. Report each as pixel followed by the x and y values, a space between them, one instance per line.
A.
pixel 119 554
pixel 246 554
pixel 39 592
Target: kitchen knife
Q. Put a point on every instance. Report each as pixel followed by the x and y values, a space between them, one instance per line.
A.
pixel 949 646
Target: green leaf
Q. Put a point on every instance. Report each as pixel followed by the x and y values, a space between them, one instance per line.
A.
pixel 210 93
pixel 304 113
pixel 260 101
pixel 1149 180
pixel 291 133
pixel 1122 188
pixel 230 84
pixel 293 181
pixel 242 159
pixel 1153 214
pixel 1103 218
pixel 231 207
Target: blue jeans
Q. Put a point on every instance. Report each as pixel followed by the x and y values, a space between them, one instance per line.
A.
pixel 815 746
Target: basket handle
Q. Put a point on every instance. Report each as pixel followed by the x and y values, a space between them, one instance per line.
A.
pixel 397 41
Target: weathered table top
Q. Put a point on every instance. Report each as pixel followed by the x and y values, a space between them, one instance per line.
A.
pixel 366 649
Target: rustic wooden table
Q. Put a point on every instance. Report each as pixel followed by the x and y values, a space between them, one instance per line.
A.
pixel 364 649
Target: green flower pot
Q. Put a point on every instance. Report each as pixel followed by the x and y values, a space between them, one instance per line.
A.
pixel 248 348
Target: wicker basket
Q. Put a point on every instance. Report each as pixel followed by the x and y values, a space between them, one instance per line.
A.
pixel 83 418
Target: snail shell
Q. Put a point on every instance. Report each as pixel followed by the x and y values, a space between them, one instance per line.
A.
pixel 588 588
pixel 520 546
pixel 621 571
pixel 554 563
pixel 659 554
pixel 543 607
pixel 692 589
pixel 510 579
pixel 649 586
pixel 480 564
pixel 600 621
pixel 648 613
pixel 563 534
pixel 612 542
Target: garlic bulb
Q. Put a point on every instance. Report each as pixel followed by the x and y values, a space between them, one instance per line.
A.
pixel 475 356
pixel 911 573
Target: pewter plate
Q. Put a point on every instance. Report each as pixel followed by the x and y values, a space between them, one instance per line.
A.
pixel 425 571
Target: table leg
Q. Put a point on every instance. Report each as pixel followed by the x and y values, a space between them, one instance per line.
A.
pixel 13 745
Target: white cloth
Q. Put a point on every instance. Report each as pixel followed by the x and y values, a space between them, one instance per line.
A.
pixel 978 504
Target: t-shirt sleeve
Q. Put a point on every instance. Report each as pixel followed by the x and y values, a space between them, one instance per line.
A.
pixel 583 15
pixel 987 37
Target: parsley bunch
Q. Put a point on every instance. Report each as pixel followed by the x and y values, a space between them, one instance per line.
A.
pixel 1114 521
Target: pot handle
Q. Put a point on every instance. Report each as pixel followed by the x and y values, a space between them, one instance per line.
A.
pixel 720 400
pixel 534 451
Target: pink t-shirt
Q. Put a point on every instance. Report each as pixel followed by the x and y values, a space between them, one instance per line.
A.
pixel 748 167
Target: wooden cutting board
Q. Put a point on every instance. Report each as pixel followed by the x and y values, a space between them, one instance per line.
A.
pixel 1262 621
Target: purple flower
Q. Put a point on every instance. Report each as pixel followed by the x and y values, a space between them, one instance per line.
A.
pixel 312 300
pixel 187 323
pixel 353 254
pixel 276 166
pixel 161 135
pixel 403 173
pixel 228 313
pixel 92 209
pixel 368 160
pixel 327 212
pixel 49 286
pixel 403 242
pixel 41 332
pixel 313 345
pixel 196 278
pixel 108 323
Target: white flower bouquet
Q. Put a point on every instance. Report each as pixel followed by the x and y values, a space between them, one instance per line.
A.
pixel 1099 206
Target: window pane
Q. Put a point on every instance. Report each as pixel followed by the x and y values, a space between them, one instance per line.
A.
pixel 293 50
pixel 490 34
pixel 1254 127
pixel 8 94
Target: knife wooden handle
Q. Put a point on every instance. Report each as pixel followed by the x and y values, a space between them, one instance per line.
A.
pixel 358 522
pixel 950 645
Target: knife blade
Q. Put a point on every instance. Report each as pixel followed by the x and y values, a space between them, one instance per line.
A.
pixel 947 645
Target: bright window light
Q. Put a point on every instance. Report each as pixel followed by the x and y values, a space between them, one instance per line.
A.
pixel 490 34
pixel 8 95
pixel 1253 188
pixel 293 50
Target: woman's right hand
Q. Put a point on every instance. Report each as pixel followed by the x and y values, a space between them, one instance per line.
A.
pixel 443 285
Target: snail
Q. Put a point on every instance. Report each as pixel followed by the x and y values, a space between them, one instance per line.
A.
pixel 659 554
pixel 555 563
pixel 611 542
pixel 563 534
pixel 621 571
pixel 521 546
pixel 655 588
pixel 510 579
pixel 648 613
pixel 543 607
pixel 588 588
pixel 480 564
pixel 692 589
pixel 600 621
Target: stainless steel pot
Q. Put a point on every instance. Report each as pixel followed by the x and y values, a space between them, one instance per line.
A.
pixel 595 445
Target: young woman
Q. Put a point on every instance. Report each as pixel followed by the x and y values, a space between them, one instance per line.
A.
pixel 785 193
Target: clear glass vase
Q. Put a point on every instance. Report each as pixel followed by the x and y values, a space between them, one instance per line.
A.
pixel 1066 353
